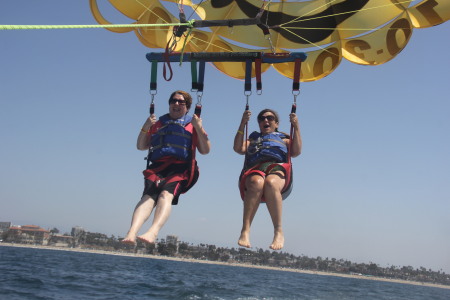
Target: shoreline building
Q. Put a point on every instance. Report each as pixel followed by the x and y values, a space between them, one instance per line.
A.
pixel 28 234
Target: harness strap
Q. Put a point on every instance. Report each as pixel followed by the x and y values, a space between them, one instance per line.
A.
pixel 193 162
pixel 167 63
pixel 295 91
pixel 291 134
pixel 248 76
pixel 296 78
pixel 288 179
pixel 153 84
pixel 198 112
pixel 201 76
pixel 247 92
pixel 289 161
pixel 194 75
pixel 246 136
pixel 258 75
pixel 152 174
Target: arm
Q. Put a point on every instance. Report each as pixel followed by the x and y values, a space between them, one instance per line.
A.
pixel 143 140
pixel 240 146
pixel 204 146
pixel 296 138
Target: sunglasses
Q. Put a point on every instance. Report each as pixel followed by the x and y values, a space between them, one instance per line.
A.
pixel 269 118
pixel 180 102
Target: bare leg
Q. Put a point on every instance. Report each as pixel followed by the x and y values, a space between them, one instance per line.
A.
pixel 273 186
pixel 162 213
pixel 141 213
pixel 252 199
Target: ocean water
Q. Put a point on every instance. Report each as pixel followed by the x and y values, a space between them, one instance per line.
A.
pixel 29 273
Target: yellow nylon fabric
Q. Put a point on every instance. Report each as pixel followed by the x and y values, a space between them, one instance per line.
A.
pixel 367 32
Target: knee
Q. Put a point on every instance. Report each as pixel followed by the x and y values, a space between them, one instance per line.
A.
pixel 165 196
pixel 255 183
pixel 273 183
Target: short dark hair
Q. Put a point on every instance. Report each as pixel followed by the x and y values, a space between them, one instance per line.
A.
pixel 187 97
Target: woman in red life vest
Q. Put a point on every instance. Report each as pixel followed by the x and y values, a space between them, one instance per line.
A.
pixel 266 174
pixel 172 169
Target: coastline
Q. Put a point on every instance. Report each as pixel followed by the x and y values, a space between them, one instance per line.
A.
pixel 191 260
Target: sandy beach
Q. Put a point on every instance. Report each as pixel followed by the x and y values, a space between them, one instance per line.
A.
pixel 227 264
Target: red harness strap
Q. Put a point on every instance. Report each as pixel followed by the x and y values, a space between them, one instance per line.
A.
pixel 152 174
pixel 198 111
pixel 193 166
pixel 287 183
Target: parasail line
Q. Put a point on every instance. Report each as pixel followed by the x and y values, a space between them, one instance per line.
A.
pixel 309 42
pixel 26 27
pixel 184 45
pixel 311 11
pixel 194 10
pixel 194 38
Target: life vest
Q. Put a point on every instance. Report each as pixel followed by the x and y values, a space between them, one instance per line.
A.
pixel 173 138
pixel 268 147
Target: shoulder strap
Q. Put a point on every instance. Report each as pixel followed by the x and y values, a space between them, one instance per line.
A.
pixel 254 134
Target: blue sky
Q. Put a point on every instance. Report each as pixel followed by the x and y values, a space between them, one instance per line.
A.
pixel 371 184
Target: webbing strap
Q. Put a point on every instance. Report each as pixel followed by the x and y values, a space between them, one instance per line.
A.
pixel 193 151
pixel 154 74
pixel 194 75
pixel 169 67
pixel 248 76
pixel 153 84
pixel 201 75
pixel 296 79
pixel 167 63
pixel 247 107
pixel 291 135
pixel 258 75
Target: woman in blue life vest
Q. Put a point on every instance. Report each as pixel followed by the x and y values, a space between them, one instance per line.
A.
pixel 264 177
pixel 172 169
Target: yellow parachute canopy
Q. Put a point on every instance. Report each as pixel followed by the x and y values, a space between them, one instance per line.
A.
pixel 367 32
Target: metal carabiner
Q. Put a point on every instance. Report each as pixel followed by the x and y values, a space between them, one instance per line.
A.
pixel 199 97
pixel 295 94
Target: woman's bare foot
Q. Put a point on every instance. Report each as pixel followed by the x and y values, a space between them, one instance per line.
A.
pixel 148 237
pixel 278 240
pixel 244 239
pixel 129 240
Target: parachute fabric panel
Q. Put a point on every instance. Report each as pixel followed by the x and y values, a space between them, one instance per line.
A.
pixel 429 13
pixel 379 46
